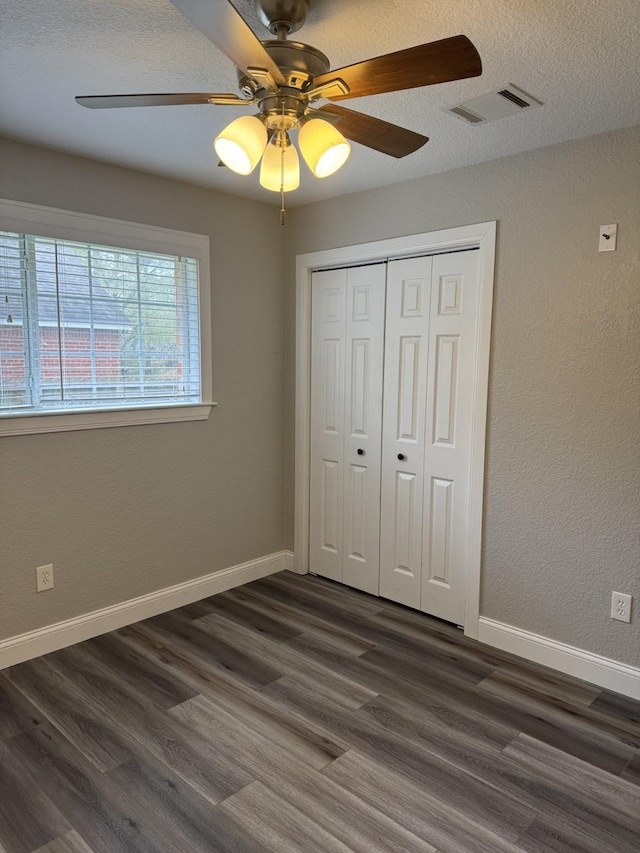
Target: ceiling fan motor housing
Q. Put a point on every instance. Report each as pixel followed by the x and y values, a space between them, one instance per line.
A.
pixel 279 15
pixel 299 64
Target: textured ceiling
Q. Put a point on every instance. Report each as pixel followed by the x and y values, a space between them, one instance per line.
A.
pixel 581 58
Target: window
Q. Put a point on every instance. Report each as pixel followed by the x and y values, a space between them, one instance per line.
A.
pixel 96 326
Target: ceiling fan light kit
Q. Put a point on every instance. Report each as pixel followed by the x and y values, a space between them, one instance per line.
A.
pixel 323 147
pixel 286 79
pixel 241 144
pixel 280 169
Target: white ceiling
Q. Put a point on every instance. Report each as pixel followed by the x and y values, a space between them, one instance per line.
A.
pixel 581 57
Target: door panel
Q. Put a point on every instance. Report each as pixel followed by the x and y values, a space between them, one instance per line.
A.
pixel 363 437
pixel 330 387
pixel 408 390
pixel 357 488
pixel 453 328
pixel 330 521
pixel 346 375
pixel 404 515
pixel 439 530
pixel 405 371
pixel 444 394
pixel 327 423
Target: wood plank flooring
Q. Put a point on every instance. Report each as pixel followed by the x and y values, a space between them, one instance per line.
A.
pixel 295 715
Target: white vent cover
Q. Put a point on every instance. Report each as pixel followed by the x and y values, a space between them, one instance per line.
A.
pixel 495 105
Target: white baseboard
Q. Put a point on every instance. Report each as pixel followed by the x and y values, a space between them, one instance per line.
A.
pixel 53 637
pixel 290 562
pixel 616 676
pixel 294 565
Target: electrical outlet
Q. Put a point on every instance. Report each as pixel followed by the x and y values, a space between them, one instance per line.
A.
pixel 44 578
pixel 621 606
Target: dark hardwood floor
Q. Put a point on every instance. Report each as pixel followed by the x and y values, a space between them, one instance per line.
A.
pixel 293 714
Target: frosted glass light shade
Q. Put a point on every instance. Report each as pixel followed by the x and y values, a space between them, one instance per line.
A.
pixel 323 147
pixel 241 143
pixel 271 168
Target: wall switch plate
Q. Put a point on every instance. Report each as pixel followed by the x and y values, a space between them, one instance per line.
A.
pixel 44 578
pixel 608 235
pixel 621 606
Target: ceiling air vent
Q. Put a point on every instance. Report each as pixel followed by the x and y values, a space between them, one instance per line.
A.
pixel 495 105
pixel 472 118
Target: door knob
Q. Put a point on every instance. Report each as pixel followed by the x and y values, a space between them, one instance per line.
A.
pixel 360 452
pixel 401 457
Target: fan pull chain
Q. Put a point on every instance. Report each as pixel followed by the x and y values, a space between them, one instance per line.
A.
pixel 282 212
pixel 282 150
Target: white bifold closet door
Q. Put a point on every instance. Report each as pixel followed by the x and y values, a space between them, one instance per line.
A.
pixel 432 314
pixel 404 419
pixel 390 478
pixel 455 293
pixel 348 307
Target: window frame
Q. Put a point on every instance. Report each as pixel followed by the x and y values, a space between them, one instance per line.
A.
pixel 55 223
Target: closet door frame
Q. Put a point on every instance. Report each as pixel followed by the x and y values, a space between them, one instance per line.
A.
pixel 482 237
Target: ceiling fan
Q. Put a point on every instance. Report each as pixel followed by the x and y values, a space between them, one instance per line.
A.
pixel 285 78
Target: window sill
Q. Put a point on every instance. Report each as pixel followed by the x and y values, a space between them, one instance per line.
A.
pixel 28 424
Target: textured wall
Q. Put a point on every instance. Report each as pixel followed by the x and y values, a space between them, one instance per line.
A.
pixel 124 511
pixel 562 503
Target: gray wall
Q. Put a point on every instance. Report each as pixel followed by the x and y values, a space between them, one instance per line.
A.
pixel 124 511
pixel 562 502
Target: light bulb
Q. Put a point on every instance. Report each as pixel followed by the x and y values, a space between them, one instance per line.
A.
pixel 323 147
pixel 241 143
pixel 274 160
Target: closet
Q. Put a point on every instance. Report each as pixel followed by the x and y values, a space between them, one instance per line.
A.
pixel 393 357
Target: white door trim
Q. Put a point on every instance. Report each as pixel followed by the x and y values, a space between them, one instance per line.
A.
pixel 481 236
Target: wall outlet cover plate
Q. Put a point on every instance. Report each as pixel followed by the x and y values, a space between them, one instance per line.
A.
pixel 621 606
pixel 44 578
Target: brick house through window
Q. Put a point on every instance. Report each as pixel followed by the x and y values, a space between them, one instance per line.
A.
pixel 78 333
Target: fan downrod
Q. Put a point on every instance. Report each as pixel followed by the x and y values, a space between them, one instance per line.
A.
pixel 282 17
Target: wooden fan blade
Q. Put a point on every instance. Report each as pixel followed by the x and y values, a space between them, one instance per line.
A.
pixel 437 62
pixel 373 132
pixel 219 21
pixel 107 102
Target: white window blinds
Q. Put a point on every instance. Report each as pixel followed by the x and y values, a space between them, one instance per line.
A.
pixel 86 326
